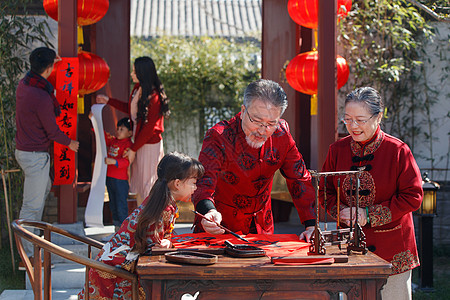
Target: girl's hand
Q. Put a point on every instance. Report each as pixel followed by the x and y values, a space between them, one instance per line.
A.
pixel 130 154
pixel 102 99
pixel 165 243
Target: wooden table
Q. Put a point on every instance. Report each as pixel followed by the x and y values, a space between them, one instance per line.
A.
pixel 256 278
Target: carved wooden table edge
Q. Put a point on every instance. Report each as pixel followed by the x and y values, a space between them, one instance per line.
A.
pixel 361 277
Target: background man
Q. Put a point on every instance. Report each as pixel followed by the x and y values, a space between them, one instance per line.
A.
pixel 240 157
pixel 36 112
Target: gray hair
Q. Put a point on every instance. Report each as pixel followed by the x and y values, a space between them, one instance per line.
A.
pixel 267 91
pixel 368 96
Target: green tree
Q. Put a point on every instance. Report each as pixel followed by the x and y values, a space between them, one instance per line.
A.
pixel 17 33
pixel 382 41
pixel 204 79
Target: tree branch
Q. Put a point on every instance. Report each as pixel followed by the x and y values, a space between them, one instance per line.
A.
pixel 429 11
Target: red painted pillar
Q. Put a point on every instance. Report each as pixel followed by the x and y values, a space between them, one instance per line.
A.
pixel 327 90
pixel 282 40
pixel 67 47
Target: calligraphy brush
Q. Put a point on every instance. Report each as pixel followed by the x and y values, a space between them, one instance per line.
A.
pixel 220 226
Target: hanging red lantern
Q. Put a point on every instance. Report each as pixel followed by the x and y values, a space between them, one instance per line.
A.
pixel 343 7
pixel 305 12
pixel 343 71
pixel 93 73
pixel 301 72
pixel 88 11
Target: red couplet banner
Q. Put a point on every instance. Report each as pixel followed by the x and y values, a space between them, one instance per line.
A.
pixel 67 95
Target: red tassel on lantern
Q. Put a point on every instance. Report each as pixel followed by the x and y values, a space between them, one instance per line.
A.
pixel 88 11
pixel 93 73
pixel 305 12
pixel 301 72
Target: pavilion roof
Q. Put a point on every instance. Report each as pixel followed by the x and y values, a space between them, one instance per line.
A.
pixel 188 18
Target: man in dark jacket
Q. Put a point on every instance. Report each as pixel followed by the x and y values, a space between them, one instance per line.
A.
pixel 36 112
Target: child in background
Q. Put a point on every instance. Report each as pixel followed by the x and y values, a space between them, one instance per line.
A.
pixel 150 224
pixel 117 172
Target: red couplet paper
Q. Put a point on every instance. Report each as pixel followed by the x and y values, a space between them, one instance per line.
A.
pixel 67 95
pixel 274 244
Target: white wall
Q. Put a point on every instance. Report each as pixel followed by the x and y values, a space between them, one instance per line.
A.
pixel 436 58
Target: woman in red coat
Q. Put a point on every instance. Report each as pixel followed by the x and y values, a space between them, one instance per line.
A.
pixel 390 188
pixel 147 106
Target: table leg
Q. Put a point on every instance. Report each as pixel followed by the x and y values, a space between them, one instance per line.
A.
pixel 152 288
pixel 371 289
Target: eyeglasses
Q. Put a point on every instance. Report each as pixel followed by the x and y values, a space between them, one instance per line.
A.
pixel 349 121
pixel 268 126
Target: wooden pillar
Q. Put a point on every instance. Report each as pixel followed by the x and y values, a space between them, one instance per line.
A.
pixel 282 40
pixel 303 119
pixel 112 43
pixel 67 47
pixel 327 90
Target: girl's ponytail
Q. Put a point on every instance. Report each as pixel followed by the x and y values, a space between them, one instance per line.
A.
pixel 159 199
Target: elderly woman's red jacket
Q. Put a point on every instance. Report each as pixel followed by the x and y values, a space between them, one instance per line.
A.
pixel 391 189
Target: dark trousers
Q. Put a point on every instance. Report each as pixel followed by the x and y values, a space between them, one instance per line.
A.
pixel 118 195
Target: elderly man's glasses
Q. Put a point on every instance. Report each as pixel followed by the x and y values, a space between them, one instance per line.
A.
pixel 349 121
pixel 269 126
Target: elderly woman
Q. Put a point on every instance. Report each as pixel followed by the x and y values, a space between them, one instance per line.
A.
pixel 390 188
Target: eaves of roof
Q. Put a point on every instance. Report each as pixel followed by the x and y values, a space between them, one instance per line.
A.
pixel 190 18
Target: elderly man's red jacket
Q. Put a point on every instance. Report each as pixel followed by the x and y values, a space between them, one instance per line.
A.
pixel 238 178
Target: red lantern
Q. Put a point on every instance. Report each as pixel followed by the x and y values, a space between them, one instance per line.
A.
pixel 305 12
pixel 93 73
pixel 342 71
pixel 301 72
pixel 88 11
pixel 343 7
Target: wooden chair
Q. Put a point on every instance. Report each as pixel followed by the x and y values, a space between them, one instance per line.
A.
pixel 35 274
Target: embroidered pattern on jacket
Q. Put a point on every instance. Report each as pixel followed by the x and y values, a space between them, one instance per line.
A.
pixel 367 190
pixel 369 148
pixel 380 215
pixel 387 230
pixel 404 261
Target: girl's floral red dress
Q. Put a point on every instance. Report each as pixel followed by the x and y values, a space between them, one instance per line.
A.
pixel 107 286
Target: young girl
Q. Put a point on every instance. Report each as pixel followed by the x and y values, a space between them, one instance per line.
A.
pixel 150 224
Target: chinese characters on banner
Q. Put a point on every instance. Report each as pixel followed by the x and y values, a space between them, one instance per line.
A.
pixel 67 95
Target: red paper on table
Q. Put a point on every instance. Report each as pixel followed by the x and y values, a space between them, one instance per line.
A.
pixel 302 261
pixel 67 95
pixel 273 244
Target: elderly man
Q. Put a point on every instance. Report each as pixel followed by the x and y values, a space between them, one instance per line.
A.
pixel 240 157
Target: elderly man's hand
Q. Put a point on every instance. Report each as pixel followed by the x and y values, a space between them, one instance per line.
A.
pixel 345 216
pixel 306 235
pixel 211 227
